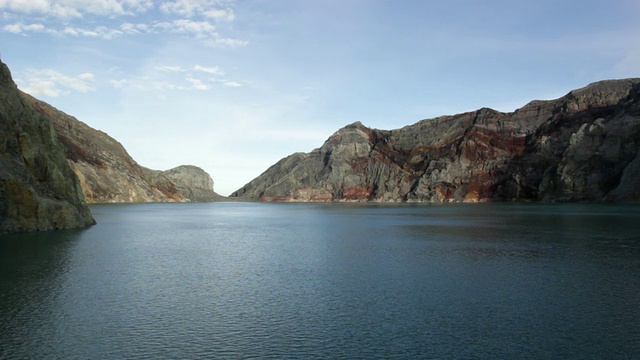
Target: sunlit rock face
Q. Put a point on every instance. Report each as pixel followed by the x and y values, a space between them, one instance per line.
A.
pixel 108 174
pixel 38 189
pixel 584 146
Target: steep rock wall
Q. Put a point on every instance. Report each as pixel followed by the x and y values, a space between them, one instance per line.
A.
pixel 581 147
pixel 108 174
pixel 38 189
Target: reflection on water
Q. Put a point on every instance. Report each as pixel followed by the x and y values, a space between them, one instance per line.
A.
pixel 327 281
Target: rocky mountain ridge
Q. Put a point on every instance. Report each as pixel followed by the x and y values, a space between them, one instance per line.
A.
pixel 108 174
pixel 38 189
pixel 584 146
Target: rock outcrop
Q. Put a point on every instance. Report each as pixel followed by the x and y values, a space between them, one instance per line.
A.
pixel 108 174
pixel 584 146
pixel 38 189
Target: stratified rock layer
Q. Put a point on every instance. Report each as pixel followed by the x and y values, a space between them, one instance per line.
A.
pixel 584 146
pixel 108 174
pixel 38 189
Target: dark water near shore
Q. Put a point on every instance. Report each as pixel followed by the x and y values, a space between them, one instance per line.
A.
pixel 244 280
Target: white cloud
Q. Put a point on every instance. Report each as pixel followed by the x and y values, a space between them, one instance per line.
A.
pixel 51 83
pixel 189 18
pixel 203 30
pixel 178 78
pixel 26 6
pixel 76 8
pixel 191 8
pixel 181 7
pixel 198 28
pixel 135 29
pixel 98 32
pixel 190 85
pixel 226 42
pixel 169 68
pixel 209 70
pixel 20 28
pixel 220 14
pixel 197 84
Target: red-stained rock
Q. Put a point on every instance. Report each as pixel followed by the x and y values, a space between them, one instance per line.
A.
pixel 107 173
pixel 584 146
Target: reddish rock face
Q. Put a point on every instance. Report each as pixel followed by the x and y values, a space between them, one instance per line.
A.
pixel 356 193
pixel 584 146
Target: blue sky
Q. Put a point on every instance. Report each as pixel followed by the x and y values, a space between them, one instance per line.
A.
pixel 233 86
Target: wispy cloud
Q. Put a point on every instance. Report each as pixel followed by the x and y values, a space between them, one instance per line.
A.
pixel 191 18
pixel 98 32
pixel 197 84
pixel 210 70
pixel 200 29
pixel 220 15
pixel 51 83
pixel 118 83
pixel 169 68
pixel 20 28
pixel 231 84
pixel 191 8
pixel 178 78
pixel 77 8
pixel 226 42
pixel 136 29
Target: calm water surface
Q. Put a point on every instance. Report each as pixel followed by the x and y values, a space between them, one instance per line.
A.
pixel 253 280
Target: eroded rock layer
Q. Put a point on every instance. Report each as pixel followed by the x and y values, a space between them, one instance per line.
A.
pixel 584 146
pixel 38 189
pixel 109 174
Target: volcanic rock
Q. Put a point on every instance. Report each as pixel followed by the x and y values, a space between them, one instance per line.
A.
pixel 38 189
pixel 584 146
pixel 108 174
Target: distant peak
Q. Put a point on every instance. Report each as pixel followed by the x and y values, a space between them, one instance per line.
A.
pixel 617 85
pixel 356 124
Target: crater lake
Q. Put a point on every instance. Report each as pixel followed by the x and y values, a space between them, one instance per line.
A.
pixel 320 281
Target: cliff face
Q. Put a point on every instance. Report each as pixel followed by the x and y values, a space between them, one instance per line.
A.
pixel 584 146
pixel 107 172
pixel 38 189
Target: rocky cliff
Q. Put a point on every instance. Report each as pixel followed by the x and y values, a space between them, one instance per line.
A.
pixel 38 189
pixel 108 173
pixel 584 146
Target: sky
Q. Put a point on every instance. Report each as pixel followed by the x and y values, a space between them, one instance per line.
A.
pixel 233 86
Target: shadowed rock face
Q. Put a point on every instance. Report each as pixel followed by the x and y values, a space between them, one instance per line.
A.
pixel 584 146
pixel 108 174
pixel 38 189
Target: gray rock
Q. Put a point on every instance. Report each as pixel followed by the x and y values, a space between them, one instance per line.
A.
pixel 38 189
pixel 108 174
pixel 581 147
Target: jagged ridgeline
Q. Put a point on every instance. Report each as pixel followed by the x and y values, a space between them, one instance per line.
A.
pixel 584 146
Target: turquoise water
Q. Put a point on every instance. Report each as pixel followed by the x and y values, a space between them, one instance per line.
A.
pixel 258 280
